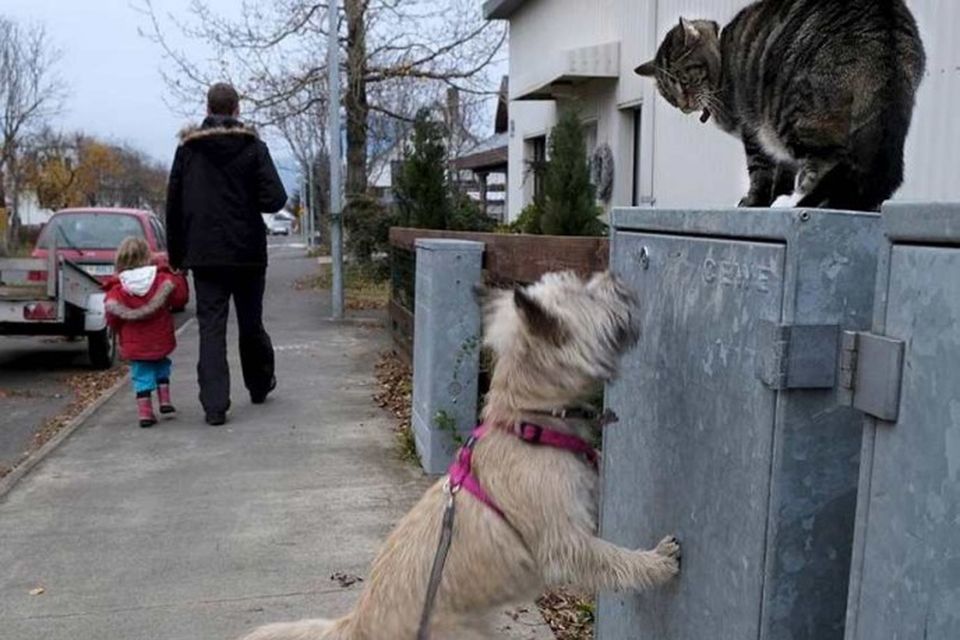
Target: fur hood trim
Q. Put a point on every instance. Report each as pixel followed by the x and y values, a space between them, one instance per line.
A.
pixel 157 303
pixel 197 132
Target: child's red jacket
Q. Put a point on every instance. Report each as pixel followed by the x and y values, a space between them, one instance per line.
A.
pixel 139 304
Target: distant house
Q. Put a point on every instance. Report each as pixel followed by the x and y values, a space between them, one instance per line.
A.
pixel 32 214
pixel 380 177
pixel 583 52
pixel 483 166
pixel 478 167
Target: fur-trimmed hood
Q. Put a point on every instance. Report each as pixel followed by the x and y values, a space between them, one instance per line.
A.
pixel 144 323
pixel 141 293
pixel 221 180
pixel 216 126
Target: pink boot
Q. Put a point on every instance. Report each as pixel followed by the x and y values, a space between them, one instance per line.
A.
pixel 145 411
pixel 163 395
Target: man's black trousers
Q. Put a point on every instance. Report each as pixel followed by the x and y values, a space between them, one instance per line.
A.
pixel 215 286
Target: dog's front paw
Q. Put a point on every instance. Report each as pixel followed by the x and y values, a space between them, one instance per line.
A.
pixel 669 548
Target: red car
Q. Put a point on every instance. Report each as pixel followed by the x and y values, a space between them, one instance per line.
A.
pixel 90 237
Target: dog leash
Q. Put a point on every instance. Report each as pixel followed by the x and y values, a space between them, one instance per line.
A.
pixel 461 474
pixel 439 560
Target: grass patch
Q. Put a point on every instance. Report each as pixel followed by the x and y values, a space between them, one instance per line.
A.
pixel 407 445
pixel 363 286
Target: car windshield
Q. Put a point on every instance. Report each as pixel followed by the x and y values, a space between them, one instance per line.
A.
pixel 93 230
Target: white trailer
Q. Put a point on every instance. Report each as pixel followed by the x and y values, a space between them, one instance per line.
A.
pixel 55 297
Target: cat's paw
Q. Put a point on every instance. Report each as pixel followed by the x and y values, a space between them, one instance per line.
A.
pixel 754 200
pixel 810 174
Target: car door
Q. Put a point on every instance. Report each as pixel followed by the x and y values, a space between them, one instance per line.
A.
pixel 159 247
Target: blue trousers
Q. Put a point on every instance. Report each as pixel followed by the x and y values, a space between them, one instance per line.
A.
pixel 147 373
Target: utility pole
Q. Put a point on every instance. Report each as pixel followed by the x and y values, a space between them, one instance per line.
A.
pixel 303 210
pixel 312 190
pixel 336 205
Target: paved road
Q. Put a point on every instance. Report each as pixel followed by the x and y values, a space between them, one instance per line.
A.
pixel 188 532
pixel 32 384
pixel 33 372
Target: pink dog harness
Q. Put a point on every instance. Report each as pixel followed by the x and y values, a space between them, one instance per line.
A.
pixel 461 476
pixel 461 471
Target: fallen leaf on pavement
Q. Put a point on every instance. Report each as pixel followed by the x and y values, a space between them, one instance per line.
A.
pixel 570 615
pixel 395 379
pixel 39 591
pixel 87 387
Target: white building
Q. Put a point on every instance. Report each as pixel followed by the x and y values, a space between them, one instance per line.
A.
pixel 586 50
pixel 32 214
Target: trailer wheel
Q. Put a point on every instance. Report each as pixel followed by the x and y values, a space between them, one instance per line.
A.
pixel 102 347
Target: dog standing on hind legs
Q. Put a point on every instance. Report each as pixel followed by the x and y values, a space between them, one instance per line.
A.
pixel 553 341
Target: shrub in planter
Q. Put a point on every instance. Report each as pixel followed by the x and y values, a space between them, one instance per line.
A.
pixel 367 223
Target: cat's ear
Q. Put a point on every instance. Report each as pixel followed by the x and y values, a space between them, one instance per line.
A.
pixel 715 26
pixel 690 32
pixel 647 69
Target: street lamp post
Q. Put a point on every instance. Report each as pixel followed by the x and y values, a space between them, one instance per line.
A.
pixel 336 205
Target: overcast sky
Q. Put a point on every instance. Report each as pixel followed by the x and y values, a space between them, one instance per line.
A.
pixel 116 91
pixel 113 73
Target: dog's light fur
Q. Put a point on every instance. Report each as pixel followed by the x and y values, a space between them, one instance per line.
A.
pixel 553 342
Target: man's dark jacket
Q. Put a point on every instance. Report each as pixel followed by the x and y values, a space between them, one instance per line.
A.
pixel 221 182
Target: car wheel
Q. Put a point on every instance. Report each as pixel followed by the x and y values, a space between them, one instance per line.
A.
pixel 102 348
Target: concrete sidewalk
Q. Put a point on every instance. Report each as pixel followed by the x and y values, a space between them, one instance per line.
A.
pixel 188 532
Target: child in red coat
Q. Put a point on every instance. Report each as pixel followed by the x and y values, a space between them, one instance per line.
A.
pixel 140 299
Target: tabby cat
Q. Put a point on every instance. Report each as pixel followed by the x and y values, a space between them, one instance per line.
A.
pixel 820 91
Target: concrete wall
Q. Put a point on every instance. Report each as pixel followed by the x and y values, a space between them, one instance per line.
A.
pixel 683 162
pixel 446 353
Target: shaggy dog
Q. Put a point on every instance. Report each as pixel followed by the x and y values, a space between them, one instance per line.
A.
pixel 553 342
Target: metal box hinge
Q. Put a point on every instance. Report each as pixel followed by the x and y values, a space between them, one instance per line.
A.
pixel 871 373
pixel 794 356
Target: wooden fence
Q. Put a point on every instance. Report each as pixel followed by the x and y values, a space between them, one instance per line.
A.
pixel 507 260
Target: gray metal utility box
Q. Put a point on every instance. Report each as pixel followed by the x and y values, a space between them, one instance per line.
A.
pixel 905 375
pixel 732 434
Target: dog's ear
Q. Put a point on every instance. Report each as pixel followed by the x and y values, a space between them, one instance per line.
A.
pixel 538 320
pixel 481 293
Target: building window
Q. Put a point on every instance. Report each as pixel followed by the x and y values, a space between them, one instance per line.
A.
pixel 536 164
pixel 590 137
pixel 637 132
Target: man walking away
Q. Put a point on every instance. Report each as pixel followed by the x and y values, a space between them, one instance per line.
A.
pixel 221 182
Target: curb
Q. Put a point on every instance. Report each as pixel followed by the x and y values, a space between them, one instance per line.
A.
pixel 36 457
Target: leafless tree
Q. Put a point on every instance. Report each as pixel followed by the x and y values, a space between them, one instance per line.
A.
pixel 30 93
pixel 303 128
pixel 399 55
